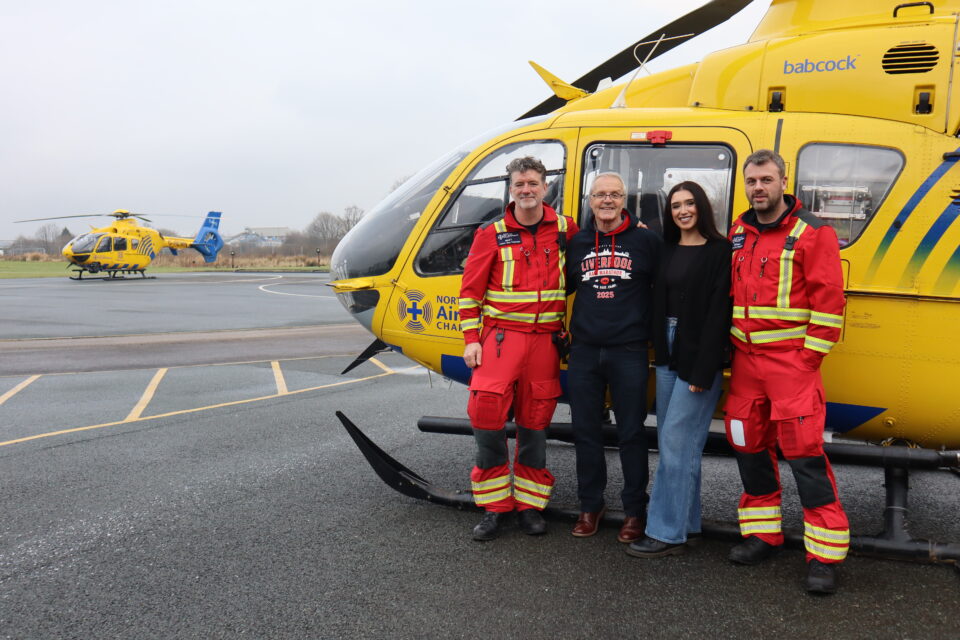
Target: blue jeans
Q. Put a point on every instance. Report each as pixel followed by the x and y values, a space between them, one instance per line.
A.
pixel 624 369
pixel 683 421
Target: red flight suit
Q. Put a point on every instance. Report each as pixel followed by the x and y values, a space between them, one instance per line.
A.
pixel 513 283
pixel 787 288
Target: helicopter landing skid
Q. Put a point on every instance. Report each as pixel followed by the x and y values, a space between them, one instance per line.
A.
pixel 893 543
pixel 111 275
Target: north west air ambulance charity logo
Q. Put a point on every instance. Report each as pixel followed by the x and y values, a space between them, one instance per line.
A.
pixel 415 311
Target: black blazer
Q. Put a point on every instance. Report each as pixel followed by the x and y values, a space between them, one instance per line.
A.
pixel 702 341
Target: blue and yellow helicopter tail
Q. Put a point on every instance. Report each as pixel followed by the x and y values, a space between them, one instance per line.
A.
pixel 208 241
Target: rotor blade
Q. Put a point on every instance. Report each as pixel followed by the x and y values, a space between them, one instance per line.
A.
pixel 83 215
pixel 697 21
pixel 375 347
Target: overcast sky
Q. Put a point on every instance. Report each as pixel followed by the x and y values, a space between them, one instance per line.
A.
pixel 272 111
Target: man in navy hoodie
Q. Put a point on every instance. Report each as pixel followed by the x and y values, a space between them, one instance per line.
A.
pixel 611 265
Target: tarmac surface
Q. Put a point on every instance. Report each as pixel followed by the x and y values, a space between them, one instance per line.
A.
pixel 172 468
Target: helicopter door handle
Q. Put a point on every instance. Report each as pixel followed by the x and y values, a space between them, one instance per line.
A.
pixel 355 284
pixel 912 4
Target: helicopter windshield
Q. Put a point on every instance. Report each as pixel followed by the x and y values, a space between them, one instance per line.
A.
pixel 85 242
pixel 372 247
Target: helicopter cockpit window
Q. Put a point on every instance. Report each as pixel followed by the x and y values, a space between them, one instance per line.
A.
pixel 845 184
pixel 104 244
pixel 119 244
pixel 650 172
pixel 482 196
pixel 85 243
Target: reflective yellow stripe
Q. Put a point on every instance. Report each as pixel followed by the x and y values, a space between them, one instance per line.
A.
pixel 739 229
pixel 751 513
pixel 530 485
pixel 493 312
pixel 778 335
pixel 553 294
pixel 822 550
pixel 776 313
pixel 511 296
pixel 739 312
pixel 551 316
pixel 487 498
pixel 786 267
pixel 748 528
pixel 562 258
pixel 823 346
pixel 469 303
pixel 838 536
pixel 467 325
pixel 492 483
pixel 532 500
pixel 826 319
pixel 738 334
pixel 506 258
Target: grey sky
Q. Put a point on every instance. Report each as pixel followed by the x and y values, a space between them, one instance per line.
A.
pixel 271 111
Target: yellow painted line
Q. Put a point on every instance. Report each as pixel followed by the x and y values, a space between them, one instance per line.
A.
pixel 381 365
pixel 147 396
pixel 278 376
pixel 184 411
pixel 17 389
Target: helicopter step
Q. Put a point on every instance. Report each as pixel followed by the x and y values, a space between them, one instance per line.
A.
pixel 893 542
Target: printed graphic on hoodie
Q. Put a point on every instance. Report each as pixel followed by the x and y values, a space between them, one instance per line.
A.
pixel 605 271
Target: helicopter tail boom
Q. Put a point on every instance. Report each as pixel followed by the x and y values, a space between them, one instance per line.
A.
pixel 208 241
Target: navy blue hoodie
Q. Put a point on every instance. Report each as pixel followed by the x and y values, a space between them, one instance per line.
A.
pixel 612 274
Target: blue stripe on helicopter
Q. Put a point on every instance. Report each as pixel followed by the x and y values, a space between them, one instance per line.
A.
pixel 905 213
pixel 929 241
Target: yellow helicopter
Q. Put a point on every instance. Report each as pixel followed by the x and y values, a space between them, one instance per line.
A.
pixel 128 247
pixel 861 98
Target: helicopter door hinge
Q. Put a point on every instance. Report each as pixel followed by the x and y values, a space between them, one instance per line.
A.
pixel 923 106
pixel 776 102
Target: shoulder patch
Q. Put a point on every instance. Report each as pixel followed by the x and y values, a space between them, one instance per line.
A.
pixel 738 240
pixel 507 238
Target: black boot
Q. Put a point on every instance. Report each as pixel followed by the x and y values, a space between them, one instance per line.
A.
pixel 531 522
pixel 753 551
pixel 488 527
pixel 821 577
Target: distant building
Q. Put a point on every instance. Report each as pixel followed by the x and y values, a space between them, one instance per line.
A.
pixel 261 236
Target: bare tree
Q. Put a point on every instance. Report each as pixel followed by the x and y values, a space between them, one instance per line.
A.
pixel 48 237
pixel 351 216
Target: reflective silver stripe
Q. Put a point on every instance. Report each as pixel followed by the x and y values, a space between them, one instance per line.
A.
pixel 749 513
pixel 506 258
pixel 493 312
pixel 532 500
pixel 778 335
pixel 552 295
pixel 823 346
pixel 739 312
pixel 738 334
pixel 512 296
pixel 824 551
pixel 530 485
pixel 562 258
pixel 760 526
pixel 838 536
pixel 826 319
pixel 466 324
pixel 469 303
pixel 776 313
pixel 492 483
pixel 786 267
pixel 494 496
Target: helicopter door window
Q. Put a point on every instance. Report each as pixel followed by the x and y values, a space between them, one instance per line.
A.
pixel 482 198
pixel 85 243
pixel 844 185
pixel 134 243
pixel 650 173
pixel 104 245
pixel 119 244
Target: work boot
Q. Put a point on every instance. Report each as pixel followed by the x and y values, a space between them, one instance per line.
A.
pixel 753 551
pixel 489 526
pixel 653 548
pixel 821 577
pixel 531 522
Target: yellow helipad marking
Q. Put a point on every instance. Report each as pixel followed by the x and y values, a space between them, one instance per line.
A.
pixel 196 409
pixel 17 389
pixel 278 376
pixel 381 365
pixel 147 396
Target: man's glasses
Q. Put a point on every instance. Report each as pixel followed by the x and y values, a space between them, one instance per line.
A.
pixel 616 195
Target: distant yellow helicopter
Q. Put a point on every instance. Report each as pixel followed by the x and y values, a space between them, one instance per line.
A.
pixel 128 247
pixel 862 98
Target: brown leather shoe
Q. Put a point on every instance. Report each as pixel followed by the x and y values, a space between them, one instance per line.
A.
pixel 632 529
pixel 588 523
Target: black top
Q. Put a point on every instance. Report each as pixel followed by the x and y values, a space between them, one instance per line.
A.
pixel 683 259
pixel 614 300
pixel 702 340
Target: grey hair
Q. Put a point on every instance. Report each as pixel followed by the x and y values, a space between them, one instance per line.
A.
pixel 609 174
pixel 527 163
pixel 763 156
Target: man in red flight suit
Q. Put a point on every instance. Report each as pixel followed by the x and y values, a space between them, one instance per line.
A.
pixel 513 282
pixel 788 312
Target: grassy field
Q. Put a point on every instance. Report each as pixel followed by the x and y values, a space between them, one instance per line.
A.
pixel 53 269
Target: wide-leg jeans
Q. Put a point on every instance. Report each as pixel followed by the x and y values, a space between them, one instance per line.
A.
pixel 683 422
pixel 624 368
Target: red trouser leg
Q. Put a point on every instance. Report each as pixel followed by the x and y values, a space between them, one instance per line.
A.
pixel 774 396
pixel 524 371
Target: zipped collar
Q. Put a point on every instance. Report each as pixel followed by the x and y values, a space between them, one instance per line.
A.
pixel 749 217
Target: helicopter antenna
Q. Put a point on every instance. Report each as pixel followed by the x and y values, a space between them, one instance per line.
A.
pixel 621 101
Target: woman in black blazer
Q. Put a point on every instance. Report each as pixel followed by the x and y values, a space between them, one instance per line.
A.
pixel 691 316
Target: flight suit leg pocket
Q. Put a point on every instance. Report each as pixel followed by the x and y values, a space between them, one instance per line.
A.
pixel 742 422
pixel 800 421
pixel 541 402
pixel 488 404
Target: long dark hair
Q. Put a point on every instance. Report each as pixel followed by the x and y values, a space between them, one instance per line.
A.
pixel 705 222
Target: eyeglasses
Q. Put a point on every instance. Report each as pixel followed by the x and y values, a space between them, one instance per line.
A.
pixel 616 195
